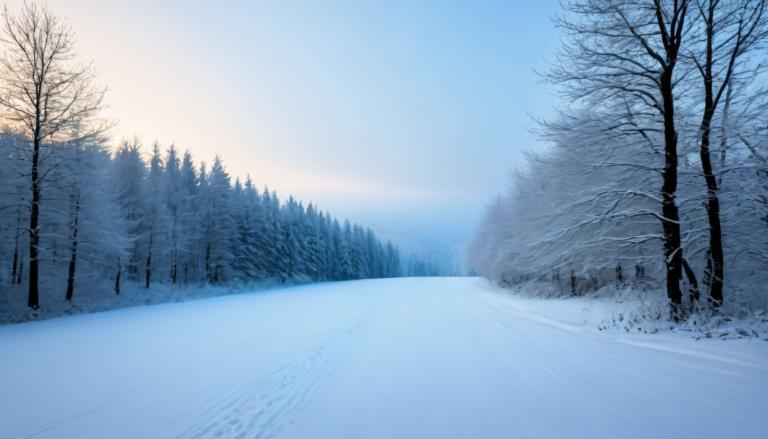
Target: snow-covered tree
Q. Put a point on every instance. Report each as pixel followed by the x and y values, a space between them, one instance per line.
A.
pixel 48 98
pixel 647 171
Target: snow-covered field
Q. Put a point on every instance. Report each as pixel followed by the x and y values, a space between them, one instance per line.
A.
pixel 398 358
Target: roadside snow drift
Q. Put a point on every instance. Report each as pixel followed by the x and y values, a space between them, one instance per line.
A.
pixel 399 358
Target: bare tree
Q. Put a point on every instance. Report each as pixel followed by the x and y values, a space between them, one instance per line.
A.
pixel 621 57
pixel 732 29
pixel 47 96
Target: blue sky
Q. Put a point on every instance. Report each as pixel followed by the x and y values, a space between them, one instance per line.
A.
pixel 403 115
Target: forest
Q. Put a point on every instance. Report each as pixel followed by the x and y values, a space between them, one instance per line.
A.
pixel 656 173
pixel 79 216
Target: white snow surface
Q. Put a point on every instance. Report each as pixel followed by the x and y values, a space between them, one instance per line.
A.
pixel 396 358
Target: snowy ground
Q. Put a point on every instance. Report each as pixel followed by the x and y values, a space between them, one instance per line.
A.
pixel 400 358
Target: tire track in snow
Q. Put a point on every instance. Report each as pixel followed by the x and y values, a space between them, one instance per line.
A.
pixel 139 390
pixel 260 408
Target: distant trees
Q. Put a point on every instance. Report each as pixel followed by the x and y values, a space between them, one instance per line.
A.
pixel 93 227
pixel 645 156
pixel 168 221
pixel 85 218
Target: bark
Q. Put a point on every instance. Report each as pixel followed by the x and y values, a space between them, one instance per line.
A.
pixel 573 283
pixel 15 263
pixel 724 129
pixel 133 263
pixel 117 280
pixel 639 271
pixel 33 300
pixel 715 261
pixel 73 254
pixel 673 251
pixel 707 277
pixel 208 262
pixel 694 284
pixel 148 268
pixel 174 254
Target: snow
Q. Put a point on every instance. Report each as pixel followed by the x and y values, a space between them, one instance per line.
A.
pixel 395 358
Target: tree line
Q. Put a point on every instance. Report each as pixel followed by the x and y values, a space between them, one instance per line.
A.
pixel 656 171
pixel 76 215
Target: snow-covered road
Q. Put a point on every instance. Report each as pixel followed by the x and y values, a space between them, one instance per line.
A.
pixel 400 358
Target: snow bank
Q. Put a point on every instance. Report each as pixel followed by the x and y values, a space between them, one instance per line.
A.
pixel 644 310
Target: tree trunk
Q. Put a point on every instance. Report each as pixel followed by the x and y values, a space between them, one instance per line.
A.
pixel 33 301
pixel 174 254
pixel 15 263
pixel 148 268
pixel 713 202
pixel 573 283
pixel 73 254
pixel 117 280
pixel 208 262
pixel 707 276
pixel 673 252
pixel 691 275
pixel 724 130
pixel 715 234
pixel 173 267
pixel 639 271
pixel 133 263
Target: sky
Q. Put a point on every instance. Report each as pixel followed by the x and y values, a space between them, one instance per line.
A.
pixel 405 116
